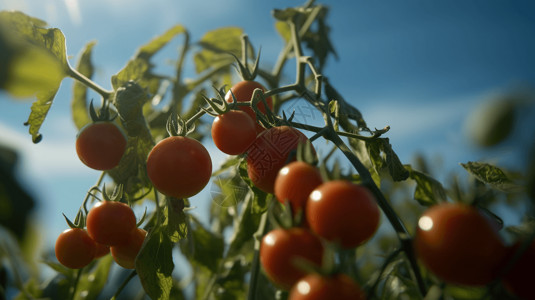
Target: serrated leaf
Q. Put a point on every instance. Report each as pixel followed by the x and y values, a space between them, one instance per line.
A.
pixel 207 247
pixel 176 222
pixel 91 283
pixel 80 113
pixel 155 45
pixel 428 190
pixel 491 175
pixel 242 239
pixel 217 46
pixel 390 160
pixel 154 264
pixel 39 111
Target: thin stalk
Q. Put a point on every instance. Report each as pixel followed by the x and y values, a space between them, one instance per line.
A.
pixel 75 285
pixel 123 284
pixel 88 82
pixel 255 268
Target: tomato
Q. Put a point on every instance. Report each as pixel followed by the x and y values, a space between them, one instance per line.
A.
pixel 269 153
pixel 125 255
pixel 233 132
pixel 102 250
pixel 281 247
pixel 343 212
pixel 101 145
pixel 110 222
pixel 459 244
pixel 179 166
pixel 74 248
pixel 317 287
pixel 243 91
pixel 519 279
pixel 295 182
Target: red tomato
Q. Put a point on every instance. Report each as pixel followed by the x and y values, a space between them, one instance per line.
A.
pixel 102 250
pixel 269 153
pixel 74 248
pixel 459 244
pixel 125 255
pixel 281 247
pixel 110 222
pixel 295 182
pixel 179 166
pixel 101 145
pixel 317 287
pixel 519 279
pixel 233 132
pixel 243 91
pixel 343 212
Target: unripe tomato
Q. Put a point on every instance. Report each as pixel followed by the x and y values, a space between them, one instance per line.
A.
pixel 343 212
pixel 281 247
pixel 243 91
pixel 179 166
pixel 269 153
pixel 519 279
pixel 459 244
pixel 317 287
pixel 110 222
pixel 125 254
pixel 295 182
pixel 101 145
pixel 233 132
pixel 74 248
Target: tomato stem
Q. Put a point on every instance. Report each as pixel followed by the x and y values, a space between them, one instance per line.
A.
pixel 88 82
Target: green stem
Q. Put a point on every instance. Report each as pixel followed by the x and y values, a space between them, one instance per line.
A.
pixel 255 268
pixel 88 82
pixel 123 284
pixel 75 285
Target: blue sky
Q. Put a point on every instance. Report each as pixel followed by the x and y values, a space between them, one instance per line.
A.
pixel 419 66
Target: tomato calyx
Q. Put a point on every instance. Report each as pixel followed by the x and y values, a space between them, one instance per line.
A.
pixel 103 114
pixel 242 66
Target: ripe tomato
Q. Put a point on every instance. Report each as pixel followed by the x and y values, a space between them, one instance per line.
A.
pixel 243 91
pixel 233 132
pixel 269 153
pixel 74 248
pixel 519 279
pixel 281 247
pixel 459 244
pixel 101 145
pixel 179 166
pixel 295 182
pixel 125 255
pixel 110 222
pixel 102 250
pixel 343 212
pixel 317 287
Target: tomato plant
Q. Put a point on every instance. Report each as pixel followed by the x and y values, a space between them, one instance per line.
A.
pixel 281 250
pixel 179 166
pixel 243 92
pixel 318 287
pixel 110 222
pixel 233 132
pixel 101 145
pixel 271 150
pixel 459 244
pixel 125 254
pixel 343 213
pixel 295 182
pixel 74 248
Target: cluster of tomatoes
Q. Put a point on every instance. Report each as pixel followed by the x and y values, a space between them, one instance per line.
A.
pixel 462 245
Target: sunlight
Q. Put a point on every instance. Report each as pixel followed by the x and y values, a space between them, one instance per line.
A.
pixel 73 8
pixel 425 223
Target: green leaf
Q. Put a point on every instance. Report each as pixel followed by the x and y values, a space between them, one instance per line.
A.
pixel 176 223
pixel 139 68
pixel 383 156
pixel 242 241
pixel 206 247
pixel 91 283
pixel 491 175
pixel 154 264
pixel 428 190
pixel 217 46
pixel 80 113
pixel 284 30
pixel 260 198
pixel 39 111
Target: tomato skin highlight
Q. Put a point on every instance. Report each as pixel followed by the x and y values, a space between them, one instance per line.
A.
pixel 295 182
pixel 317 287
pixel 101 145
pixel 519 279
pixel 179 166
pixel 243 91
pixel 233 132
pixel 110 222
pixel 280 247
pixel 343 212
pixel 459 244
pixel 125 254
pixel 269 153
pixel 74 248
